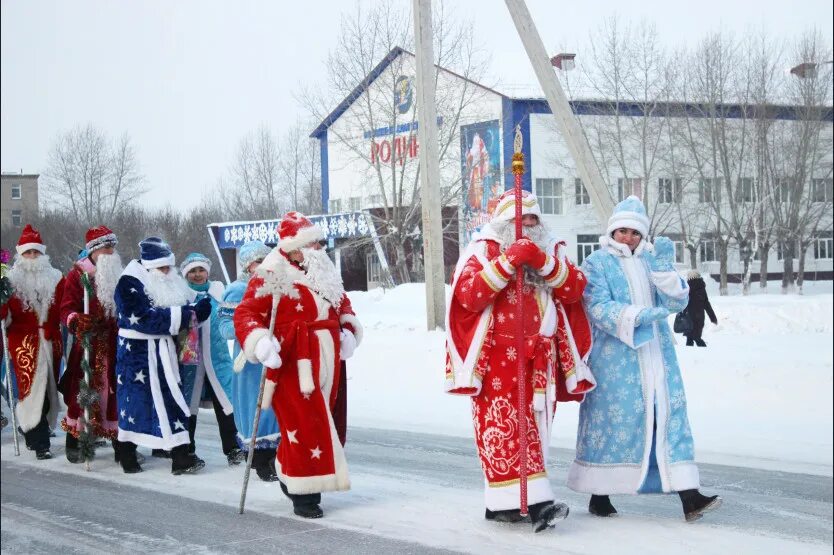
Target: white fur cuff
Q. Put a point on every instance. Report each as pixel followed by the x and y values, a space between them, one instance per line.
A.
pixel 352 321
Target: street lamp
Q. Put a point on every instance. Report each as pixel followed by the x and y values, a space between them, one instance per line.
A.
pixel 807 69
pixel 563 61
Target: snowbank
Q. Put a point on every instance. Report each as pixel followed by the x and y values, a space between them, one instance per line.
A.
pixel 759 395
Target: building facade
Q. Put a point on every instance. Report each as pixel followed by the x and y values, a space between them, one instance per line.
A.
pixel 369 155
pixel 18 198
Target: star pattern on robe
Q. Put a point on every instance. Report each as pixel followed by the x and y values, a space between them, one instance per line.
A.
pixel 122 413
pixel 140 376
pixel 131 420
pixel 119 380
pixel 291 436
pixel 121 341
pixel 299 307
pixel 127 345
pixel 133 319
pixel 133 290
pixel 315 453
pixel 178 425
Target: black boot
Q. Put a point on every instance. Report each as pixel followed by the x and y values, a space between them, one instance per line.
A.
pixel 308 510
pixel 546 514
pixel 696 504
pixel 126 456
pixel 306 504
pixel 161 453
pixel 263 461
pixel 600 505
pixel 183 462
pixel 236 456
pixel 689 341
pixel 71 450
pixel 507 515
pixel 700 343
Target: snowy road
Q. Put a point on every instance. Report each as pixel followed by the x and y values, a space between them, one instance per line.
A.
pixel 411 493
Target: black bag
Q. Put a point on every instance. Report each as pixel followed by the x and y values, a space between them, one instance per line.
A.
pixel 683 323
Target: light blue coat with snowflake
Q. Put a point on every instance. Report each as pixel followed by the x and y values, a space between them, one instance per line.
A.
pixel 247 381
pixel 634 434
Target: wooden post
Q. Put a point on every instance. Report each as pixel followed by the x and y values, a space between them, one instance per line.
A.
pixel 568 126
pixel 429 168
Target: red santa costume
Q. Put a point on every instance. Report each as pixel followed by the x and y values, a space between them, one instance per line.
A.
pixel 33 328
pixel 100 323
pixel 482 357
pixel 315 329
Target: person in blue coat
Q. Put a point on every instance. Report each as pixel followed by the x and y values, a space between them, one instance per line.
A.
pixel 634 435
pixel 209 382
pixel 153 305
pixel 247 379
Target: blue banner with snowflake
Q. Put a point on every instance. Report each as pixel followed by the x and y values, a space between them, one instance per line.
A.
pixel 346 225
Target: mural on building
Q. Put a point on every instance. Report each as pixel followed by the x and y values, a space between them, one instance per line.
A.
pixel 480 156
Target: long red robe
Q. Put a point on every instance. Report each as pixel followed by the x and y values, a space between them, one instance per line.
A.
pixel 310 457
pixel 104 414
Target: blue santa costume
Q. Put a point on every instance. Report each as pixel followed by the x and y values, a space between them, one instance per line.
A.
pixel 152 409
pixel 634 434
pixel 246 381
pixel 209 382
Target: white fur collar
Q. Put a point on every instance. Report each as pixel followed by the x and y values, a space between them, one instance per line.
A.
pixel 280 276
pixel 622 250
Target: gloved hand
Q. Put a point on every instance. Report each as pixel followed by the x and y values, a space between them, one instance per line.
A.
pixel 266 351
pixel 202 309
pixel 649 315
pixel 525 251
pixel 664 255
pixel 347 342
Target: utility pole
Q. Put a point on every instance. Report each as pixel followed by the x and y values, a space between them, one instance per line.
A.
pixel 429 168
pixel 558 102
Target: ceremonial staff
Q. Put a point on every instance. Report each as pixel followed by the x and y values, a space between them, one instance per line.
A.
pixel 5 294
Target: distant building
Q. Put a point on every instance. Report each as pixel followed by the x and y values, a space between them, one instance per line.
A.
pixel 18 198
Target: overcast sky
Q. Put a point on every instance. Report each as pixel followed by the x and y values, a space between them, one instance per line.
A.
pixel 187 79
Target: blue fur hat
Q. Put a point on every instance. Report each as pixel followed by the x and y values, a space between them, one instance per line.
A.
pixel 195 260
pixel 250 252
pixel 155 253
pixel 631 214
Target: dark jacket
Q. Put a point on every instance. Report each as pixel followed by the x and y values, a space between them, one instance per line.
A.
pixel 698 303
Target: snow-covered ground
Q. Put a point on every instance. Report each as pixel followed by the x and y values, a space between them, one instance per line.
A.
pixel 759 395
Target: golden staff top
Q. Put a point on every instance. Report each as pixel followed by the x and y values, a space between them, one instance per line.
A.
pixel 518 157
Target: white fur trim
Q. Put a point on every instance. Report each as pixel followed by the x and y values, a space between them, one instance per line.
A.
pixel 358 332
pixel 169 260
pixel 216 290
pixel 626 324
pixel 305 376
pixel 627 478
pixel 176 320
pixel 29 246
pixel 539 401
pixel 29 409
pixel 195 264
pixel 549 264
pixel 98 243
pixel 251 341
pixel 505 497
pixel 304 237
pixel 670 284
pixel 630 220
pixel 269 391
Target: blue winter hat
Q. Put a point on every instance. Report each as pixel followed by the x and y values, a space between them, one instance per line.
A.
pixel 155 253
pixel 631 214
pixel 195 260
pixel 250 252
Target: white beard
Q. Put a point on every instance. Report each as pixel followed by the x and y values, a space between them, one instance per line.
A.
pixel 108 270
pixel 322 274
pixel 167 290
pixel 33 281
pixel 539 234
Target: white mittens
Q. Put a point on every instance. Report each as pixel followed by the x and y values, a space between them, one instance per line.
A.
pixel 266 351
pixel 348 344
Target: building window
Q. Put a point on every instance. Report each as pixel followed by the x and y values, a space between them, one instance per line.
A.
pixel 335 206
pixel 354 204
pixel 822 189
pixel 744 190
pixel 709 250
pixel 585 245
pixel 375 200
pixel 581 193
pixel 549 192
pixel 784 248
pixel 679 252
pixel 823 246
pixel 782 188
pixel 627 186
pixel 16 217
pixel 668 190
pixel 16 192
pixel 374 268
pixel 709 189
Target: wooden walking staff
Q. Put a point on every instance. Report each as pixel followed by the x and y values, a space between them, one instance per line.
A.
pixel 518 171
pixel 9 387
pixel 257 420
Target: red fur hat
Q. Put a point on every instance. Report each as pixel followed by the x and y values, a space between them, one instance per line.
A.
pixel 30 239
pixel 296 231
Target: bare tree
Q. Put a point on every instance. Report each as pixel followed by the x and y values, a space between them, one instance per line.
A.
pixel 301 169
pixel 391 174
pixel 90 177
